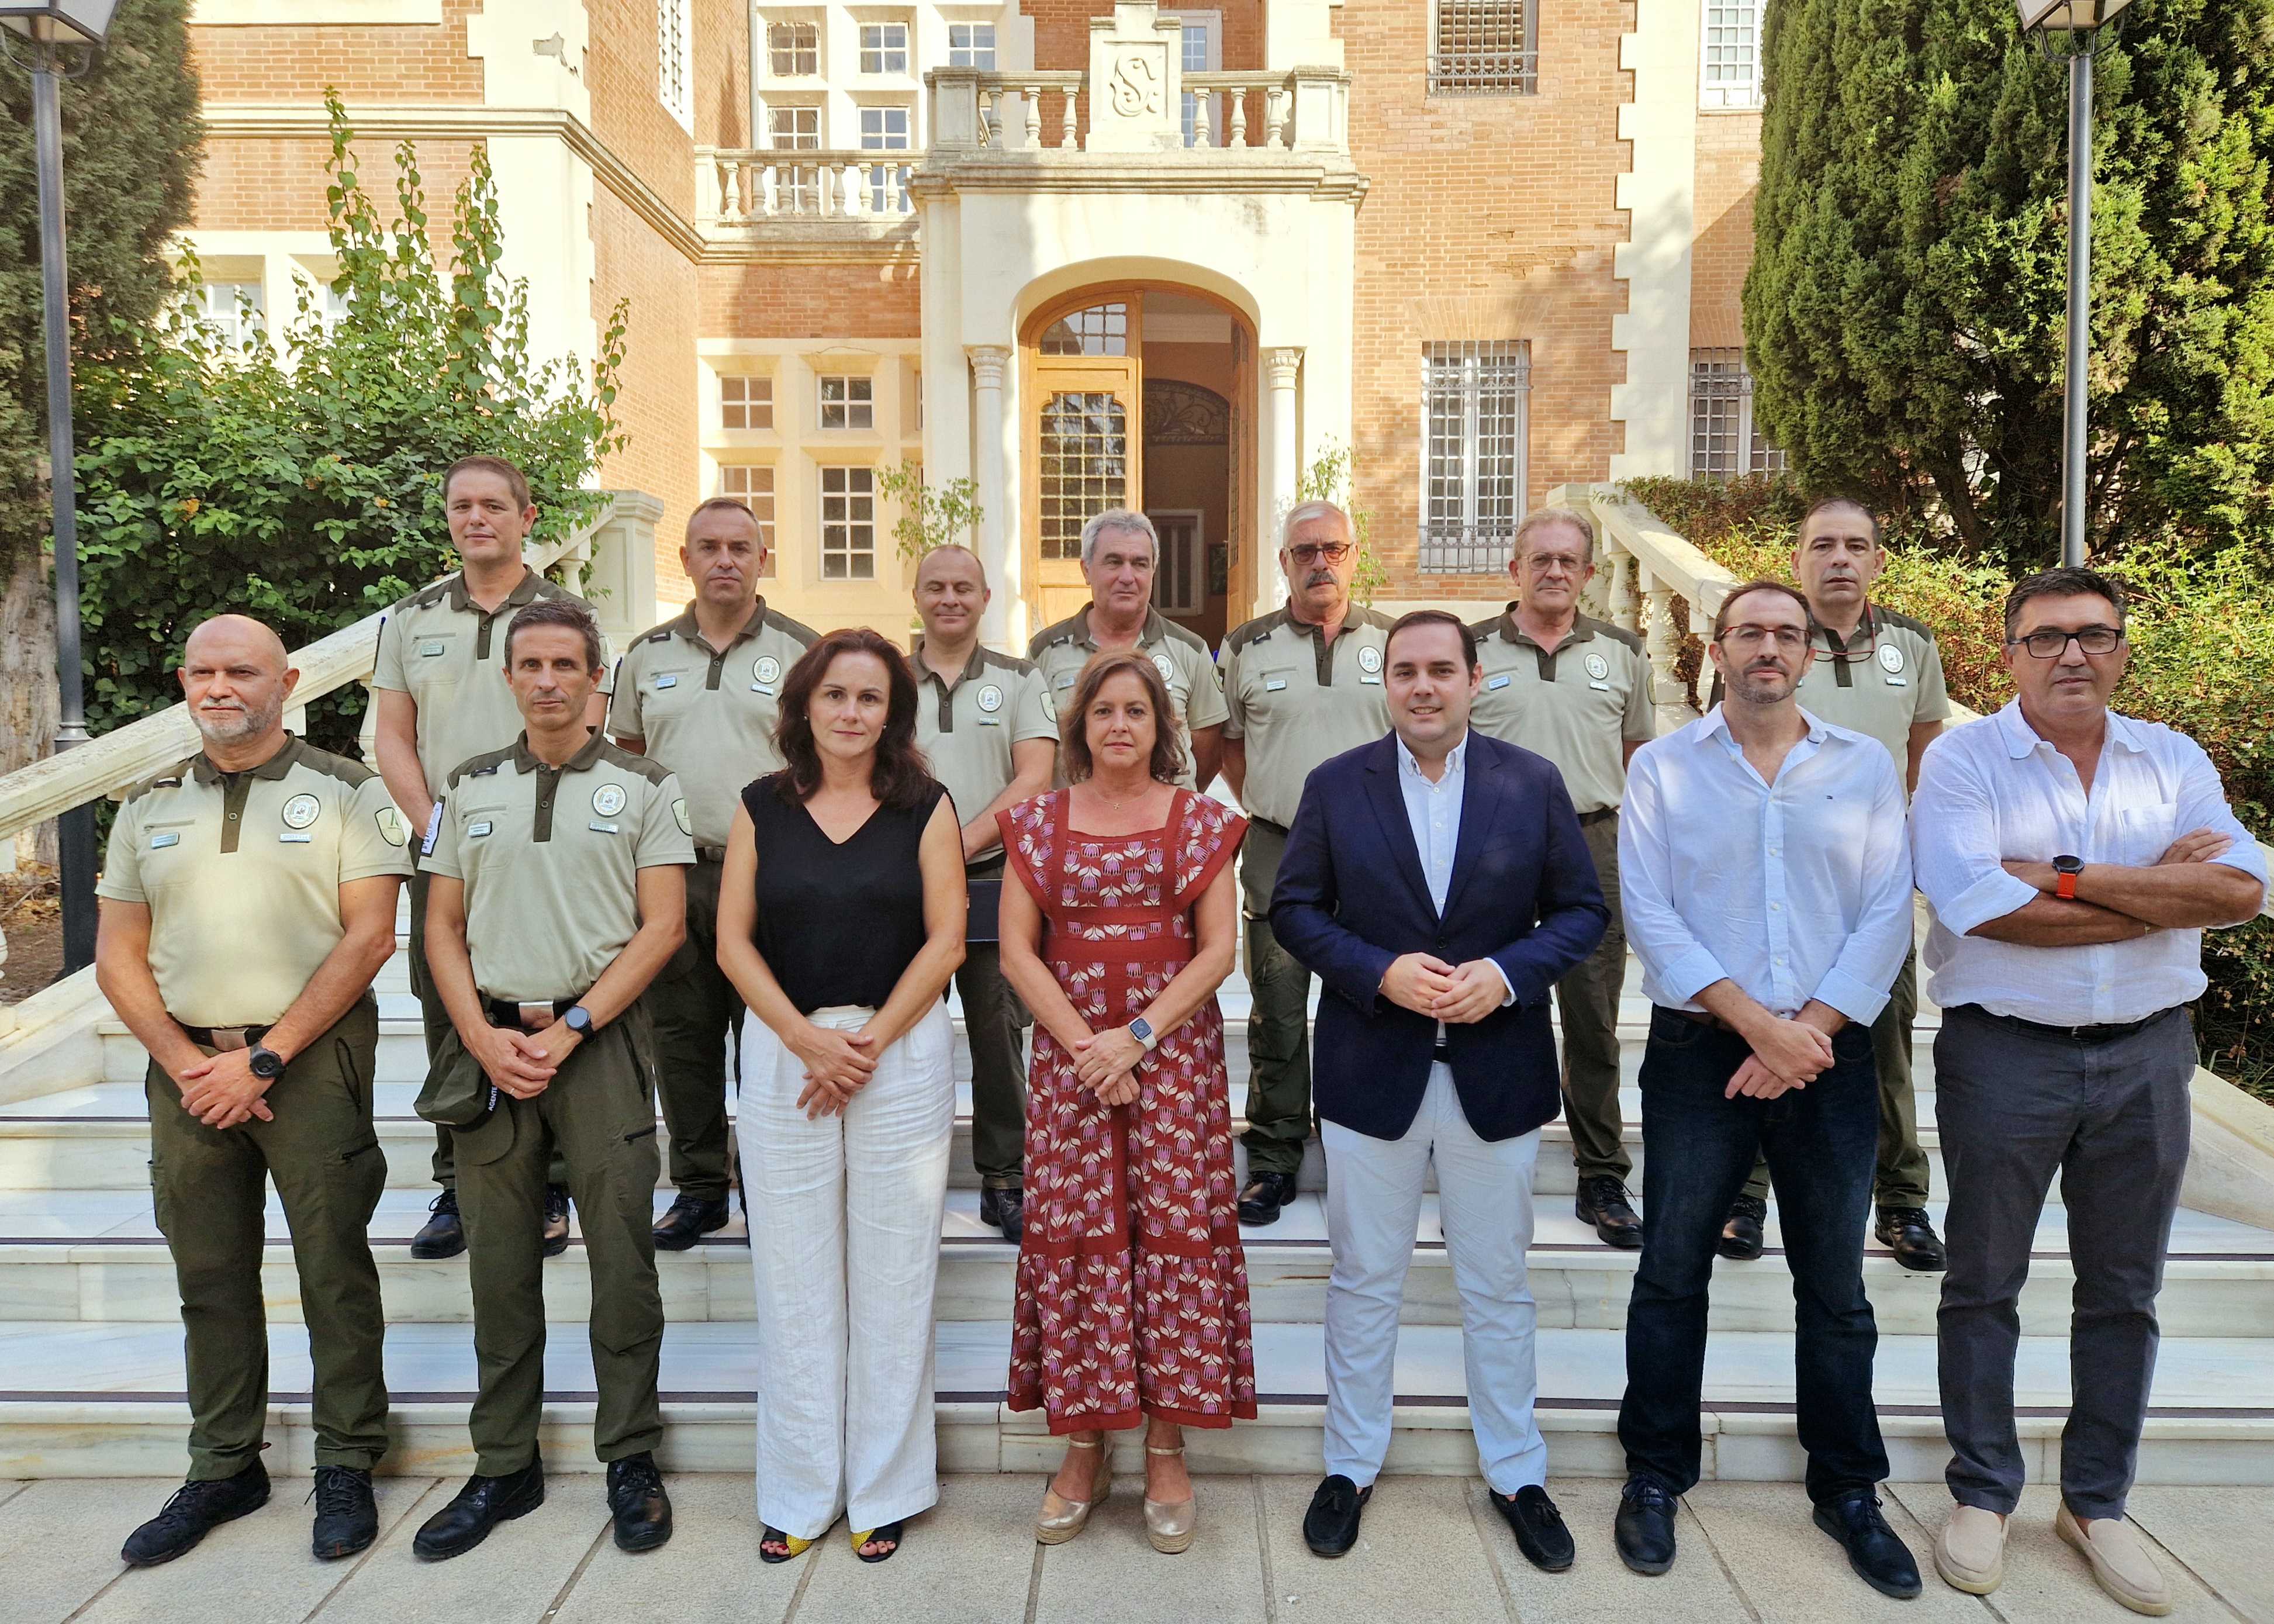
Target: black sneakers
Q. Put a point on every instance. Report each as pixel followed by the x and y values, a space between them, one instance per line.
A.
pixel 444 1235
pixel 641 1509
pixel 197 1508
pixel 1603 1201
pixel 1908 1233
pixel 1741 1237
pixel 347 1516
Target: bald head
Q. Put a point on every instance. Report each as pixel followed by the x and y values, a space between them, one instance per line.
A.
pixel 951 595
pixel 236 676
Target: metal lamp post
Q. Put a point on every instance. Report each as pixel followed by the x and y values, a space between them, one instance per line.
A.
pixel 60 36
pixel 2081 21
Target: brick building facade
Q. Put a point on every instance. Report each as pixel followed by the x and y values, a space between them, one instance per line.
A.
pixel 1072 250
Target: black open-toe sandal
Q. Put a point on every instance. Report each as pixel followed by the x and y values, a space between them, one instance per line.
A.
pixel 770 1536
pixel 890 1534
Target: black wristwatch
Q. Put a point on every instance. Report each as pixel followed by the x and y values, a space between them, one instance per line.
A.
pixel 267 1064
pixel 578 1019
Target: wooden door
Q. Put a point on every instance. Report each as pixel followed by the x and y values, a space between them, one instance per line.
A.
pixel 1088 442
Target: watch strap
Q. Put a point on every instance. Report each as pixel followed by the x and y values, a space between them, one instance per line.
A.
pixel 2065 886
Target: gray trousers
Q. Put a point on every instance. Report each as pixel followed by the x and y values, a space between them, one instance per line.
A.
pixel 2111 1116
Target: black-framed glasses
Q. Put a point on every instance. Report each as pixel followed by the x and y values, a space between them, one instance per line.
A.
pixel 1312 552
pixel 2050 644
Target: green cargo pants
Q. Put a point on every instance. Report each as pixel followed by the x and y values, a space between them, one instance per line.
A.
pixel 1587 998
pixel 995 1020
pixel 599 1114
pixel 210 1188
pixel 1903 1176
pixel 696 1011
pixel 1278 1037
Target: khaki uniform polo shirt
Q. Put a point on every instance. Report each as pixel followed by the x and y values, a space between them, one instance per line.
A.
pixel 550 857
pixel 438 646
pixel 242 873
pixel 709 715
pixel 967 731
pixel 1881 681
pixel 1295 700
pixel 1061 651
pixel 1579 706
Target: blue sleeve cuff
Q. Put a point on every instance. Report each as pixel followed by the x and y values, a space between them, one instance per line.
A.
pixel 1691 973
pixel 1858 1001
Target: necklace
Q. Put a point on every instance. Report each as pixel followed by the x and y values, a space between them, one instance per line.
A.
pixel 1115 805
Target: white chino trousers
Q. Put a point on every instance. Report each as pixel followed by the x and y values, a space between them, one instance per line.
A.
pixel 1373 1205
pixel 845 1221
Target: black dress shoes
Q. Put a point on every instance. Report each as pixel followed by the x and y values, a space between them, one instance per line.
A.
pixel 1265 1195
pixel 1643 1528
pixel 1879 1558
pixel 197 1508
pixel 483 1504
pixel 556 1220
pixel 688 1220
pixel 1330 1526
pixel 1006 1210
pixel 1741 1237
pixel 1908 1233
pixel 1603 1202
pixel 347 1516
pixel 1537 1527
pixel 444 1235
pixel 641 1510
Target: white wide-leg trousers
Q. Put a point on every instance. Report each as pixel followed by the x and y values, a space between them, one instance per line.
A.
pixel 845 1222
pixel 1374 1203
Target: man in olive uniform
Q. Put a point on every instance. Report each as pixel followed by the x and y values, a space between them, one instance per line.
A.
pixel 439 701
pixel 248 901
pixel 1880 673
pixel 1120 552
pixel 1301 684
pixel 698 696
pixel 558 891
pixel 1577 690
pixel 986 724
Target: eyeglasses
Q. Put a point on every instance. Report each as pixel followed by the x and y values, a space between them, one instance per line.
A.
pixel 2052 644
pixel 1312 552
pixel 1789 639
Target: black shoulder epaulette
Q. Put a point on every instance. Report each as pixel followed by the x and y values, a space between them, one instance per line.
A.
pixel 1011 663
pixel 647 767
pixel 1254 631
pixel 172 778
pixel 1619 634
pixel 351 773
pixel 475 766
pixel 432 592
pixel 1905 621
pixel 797 630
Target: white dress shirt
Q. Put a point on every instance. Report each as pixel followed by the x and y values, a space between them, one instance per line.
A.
pixel 1795 890
pixel 1992 790
pixel 1434 810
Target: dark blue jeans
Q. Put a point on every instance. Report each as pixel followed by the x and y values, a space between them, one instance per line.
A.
pixel 1822 1146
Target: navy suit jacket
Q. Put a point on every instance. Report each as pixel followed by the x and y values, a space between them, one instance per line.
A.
pixel 1352 898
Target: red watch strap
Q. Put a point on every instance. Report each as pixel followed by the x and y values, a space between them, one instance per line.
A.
pixel 2065 887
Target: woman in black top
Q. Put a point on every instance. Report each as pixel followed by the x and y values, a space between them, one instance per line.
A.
pixel 841 912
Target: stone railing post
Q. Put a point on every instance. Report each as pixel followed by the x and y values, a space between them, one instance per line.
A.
pixel 1663 644
pixel 955 116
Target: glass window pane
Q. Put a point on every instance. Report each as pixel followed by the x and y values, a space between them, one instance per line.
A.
pixel 1484 47
pixel 1476 397
pixel 1085 466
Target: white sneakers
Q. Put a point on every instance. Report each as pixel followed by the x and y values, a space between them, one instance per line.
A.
pixel 1969 1553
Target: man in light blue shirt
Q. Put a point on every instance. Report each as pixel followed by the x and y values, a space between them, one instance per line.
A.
pixel 1767 890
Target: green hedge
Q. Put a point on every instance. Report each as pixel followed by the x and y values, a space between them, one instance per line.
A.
pixel 2202 629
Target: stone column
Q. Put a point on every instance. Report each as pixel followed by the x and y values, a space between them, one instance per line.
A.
pixel 987 362
pixel 1283 468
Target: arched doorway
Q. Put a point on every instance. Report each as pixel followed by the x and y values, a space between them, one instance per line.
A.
pixel 1141 395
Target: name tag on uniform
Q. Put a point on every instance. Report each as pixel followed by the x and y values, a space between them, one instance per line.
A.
pixel 159 843
pixel 291 836
pixel 1364 677
pixel 606 829
pixel 762 688
pixel 1274 684
pixel 475 832
pixel 668 681
pixel 1604 687
pixel 1498 683
pixel 991 721
pixel 1898 682
pixel 429 650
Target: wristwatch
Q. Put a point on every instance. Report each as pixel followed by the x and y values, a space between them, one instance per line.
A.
pixel 1142 1031
pixel 267 1064
pixel 578 1019
pixel 2067 869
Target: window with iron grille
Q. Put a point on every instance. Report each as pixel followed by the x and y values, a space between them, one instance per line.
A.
pixel 1724 443
pixel 752 484
pixel 745 402
pixel 1085 465
pixel 883 48
pixel 794 49
pixel 971 45
pixel 1475 412
pixel 1100 330
pixel 886 129
pixel 848 524
pixel 1729 58
pixel 231 310
pixel 674 69
pixel 1484 47
pixel 848 402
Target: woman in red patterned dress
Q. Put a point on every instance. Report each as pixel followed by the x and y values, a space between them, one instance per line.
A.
pixel 1133 1294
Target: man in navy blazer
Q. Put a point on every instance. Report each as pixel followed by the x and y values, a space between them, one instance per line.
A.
pixel 1437 882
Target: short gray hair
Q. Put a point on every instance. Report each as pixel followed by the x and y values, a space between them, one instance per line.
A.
pixel 1116 519
pixel 1541 518
pixel 1318 509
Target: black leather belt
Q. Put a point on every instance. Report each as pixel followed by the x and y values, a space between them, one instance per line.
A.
pixel 711 853
pixel 1597 815
pixel 2100 1033
pixel 520 1017
pixel 1442 1054
pixel 224 1038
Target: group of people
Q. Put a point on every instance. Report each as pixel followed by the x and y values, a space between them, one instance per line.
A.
pixel 1448 824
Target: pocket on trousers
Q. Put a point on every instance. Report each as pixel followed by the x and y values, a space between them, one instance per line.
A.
pixel 1673 1031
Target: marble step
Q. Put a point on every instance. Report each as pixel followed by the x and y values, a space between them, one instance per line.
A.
pixel 98 1137
pixel 98 1256
pixel 94 1399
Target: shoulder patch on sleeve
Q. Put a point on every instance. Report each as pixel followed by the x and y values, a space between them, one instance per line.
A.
pixel 647 767
pixel 474 766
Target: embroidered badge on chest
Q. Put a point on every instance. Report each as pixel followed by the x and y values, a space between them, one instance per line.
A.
pixel 301 811
pixel 1891 658
pixel 991 699
pixel 767 670
pixel 1167 668
pixel 1598 668
pixel 609 799
pixel 1369 660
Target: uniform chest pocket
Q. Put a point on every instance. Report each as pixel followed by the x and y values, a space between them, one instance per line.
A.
pixel 1273 688
pixel 2142 834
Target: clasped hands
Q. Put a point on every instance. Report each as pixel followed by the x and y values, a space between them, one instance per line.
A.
pixel 221 1092
pixel 523 1064
pixel 1459 994
pixel 838 1066
pixel 1105 1063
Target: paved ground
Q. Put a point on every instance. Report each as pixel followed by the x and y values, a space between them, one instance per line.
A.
pixel 1431 1551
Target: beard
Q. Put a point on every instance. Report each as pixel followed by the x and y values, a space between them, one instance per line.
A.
pixel 1762 687
pixel 226 727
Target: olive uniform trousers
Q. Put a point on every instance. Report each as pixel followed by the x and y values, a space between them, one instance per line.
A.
pixel 210 1187
pixel 697 1011
pixel 1587 999
pixel 1278 1034
pixel 598 1115
pixel 995 1020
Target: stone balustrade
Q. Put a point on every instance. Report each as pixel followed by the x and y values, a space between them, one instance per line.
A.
pixel 1250 111
pixel 741 188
